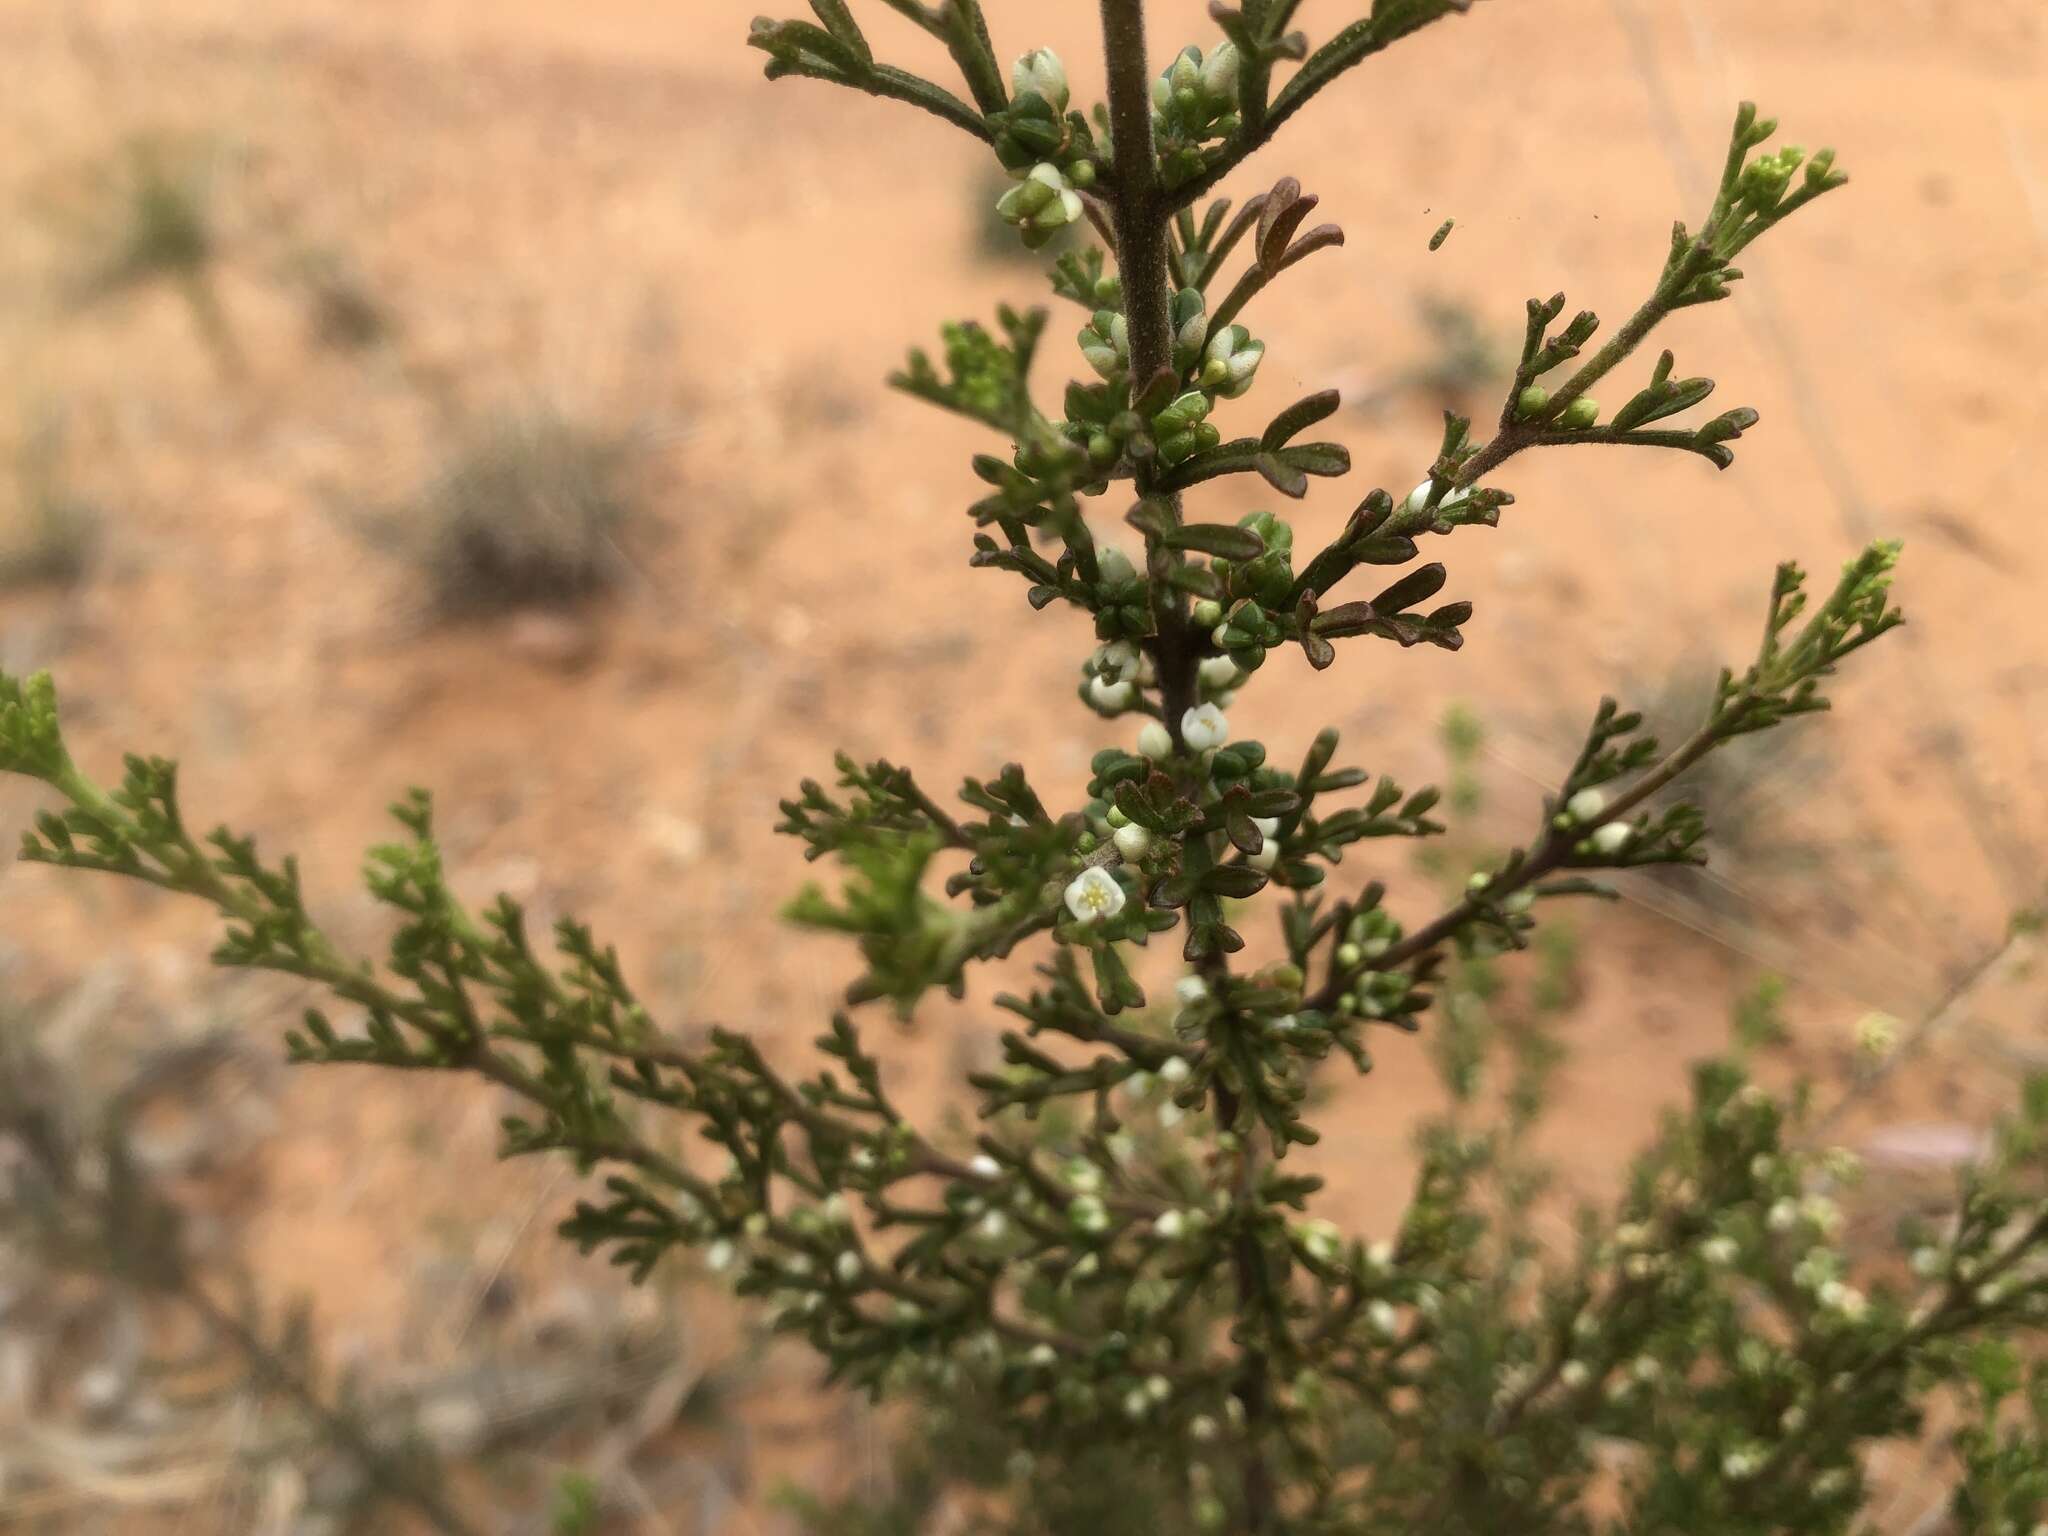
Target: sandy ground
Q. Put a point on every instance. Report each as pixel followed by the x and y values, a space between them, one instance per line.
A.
pixel 602 206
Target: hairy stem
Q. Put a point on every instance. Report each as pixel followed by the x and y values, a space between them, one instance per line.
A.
pixel 1140 213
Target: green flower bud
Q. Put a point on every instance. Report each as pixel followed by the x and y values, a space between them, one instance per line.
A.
pixel 1581 413
pixel 1182 414
pixel 1041 204
pixel 1219 74
pixel 1207 613
pixel 1531 400
pixel 1230 361
pixel 1184 75
pixel 1082 173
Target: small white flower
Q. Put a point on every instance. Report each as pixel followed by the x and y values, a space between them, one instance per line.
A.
pixel 1133 841
pixel 848 1266
pixel 1380 1255
pixel 1204 727
pixel 1113 696
pixel 1169 1226
pixel 1202 1428
pixel 1386 1322
pixel 1120 660
pixel 1155 741
pixel 1783 1216
pixel 719 1256
pixel 1574 1374
pixel 1585 805
pixel 994 1226
pixel 1286 1024
pixel 1926 1262
pixel 1094 896
pixel 1737 1465
pixel 1136 1403
pixel 1170 1115
pixel 1043 1355
pixel 834 1209
pixel 1792 1420
pixel 1613 837
pixel 1191 989
pixel 862 1158
pixel 1174 1070
pixel 1218 673
pixel 985 1167
pixel 1720 1251
pixel 1158 1388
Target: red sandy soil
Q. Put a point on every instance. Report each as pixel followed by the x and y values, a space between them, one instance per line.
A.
pixel 602 205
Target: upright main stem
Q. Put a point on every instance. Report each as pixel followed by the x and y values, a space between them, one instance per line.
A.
pixel 1140 212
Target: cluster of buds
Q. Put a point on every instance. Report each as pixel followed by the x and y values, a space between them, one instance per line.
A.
pixel 1040 205
pixel 1036 128
pixel 1607 838
pixel 1194 102
pixel 1180 430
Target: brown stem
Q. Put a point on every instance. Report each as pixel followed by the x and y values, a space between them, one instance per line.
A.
pixel 1140 212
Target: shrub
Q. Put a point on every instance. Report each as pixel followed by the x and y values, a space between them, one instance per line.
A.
pixel 526 510
pixel 56 532
pixel 1124 1262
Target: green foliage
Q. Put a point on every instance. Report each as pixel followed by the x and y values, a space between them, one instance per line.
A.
pixel 1122 1268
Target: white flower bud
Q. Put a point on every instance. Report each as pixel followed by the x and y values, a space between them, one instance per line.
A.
pixel 1204 727
pixel 1202 1428
pixel 1218 673
pixel 1169 1226
pixel 1386 1322
pixel 719 1256
pixel 1219 73
pixel 1113 697
pixel 1720 1251
pixel 985 1167
pixel 1191 989
pixel 1133 841
pixel 1613 837
pixel 1380 1256
pixel 1574 1374
pixel 1114 564
pixel 1267 856
pixel 1040 73
pixel 1782 1217
pixel 1158 1388
pixel 993 1226
pixel 1043 1355
pixel 1585 805
pixel 848 1266
pixel 1154 741
pixel 1094 896
pixel 1175 1070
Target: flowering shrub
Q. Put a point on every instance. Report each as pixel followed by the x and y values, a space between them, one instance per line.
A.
pixel 1125 1260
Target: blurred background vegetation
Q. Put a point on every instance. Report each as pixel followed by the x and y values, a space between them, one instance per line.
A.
pixel 375 377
